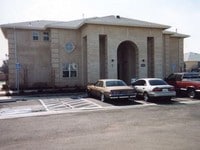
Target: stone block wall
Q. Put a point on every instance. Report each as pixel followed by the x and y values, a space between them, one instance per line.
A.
pixel 47 58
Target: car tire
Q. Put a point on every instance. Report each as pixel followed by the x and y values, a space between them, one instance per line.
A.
pixel 191 93
pixel 146 97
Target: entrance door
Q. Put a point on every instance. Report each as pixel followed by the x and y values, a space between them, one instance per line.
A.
pixel 127 57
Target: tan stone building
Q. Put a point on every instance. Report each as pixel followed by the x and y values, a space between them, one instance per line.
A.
pixel 192 61
pixel 51 53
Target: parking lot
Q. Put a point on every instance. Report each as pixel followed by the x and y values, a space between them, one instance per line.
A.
pixel 13 107
pixel 87 123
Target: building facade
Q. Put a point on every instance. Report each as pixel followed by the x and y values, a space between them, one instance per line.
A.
pixel 192 62
pixel 75 53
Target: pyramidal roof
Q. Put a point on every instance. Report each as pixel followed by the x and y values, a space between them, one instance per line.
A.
pixel 75 24
pixel 191 56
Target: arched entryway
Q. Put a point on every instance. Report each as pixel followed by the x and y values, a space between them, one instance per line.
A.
pixel 127 61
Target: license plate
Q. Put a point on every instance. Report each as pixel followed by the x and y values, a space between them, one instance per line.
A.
pixel 165 90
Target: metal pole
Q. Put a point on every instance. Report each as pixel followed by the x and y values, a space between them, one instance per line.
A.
pixel 16 63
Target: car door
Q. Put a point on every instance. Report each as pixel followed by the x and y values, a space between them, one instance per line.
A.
pixel 98 88
pixel 93 89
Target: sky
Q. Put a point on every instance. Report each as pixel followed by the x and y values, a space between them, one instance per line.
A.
pixel 181 15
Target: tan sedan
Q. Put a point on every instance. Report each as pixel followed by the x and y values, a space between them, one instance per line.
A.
pixel 111 89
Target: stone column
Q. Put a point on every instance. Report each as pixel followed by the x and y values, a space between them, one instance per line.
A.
pixel 166 55
pixel 93 58
pixel 158 56
pixel 55 59
pixel 181 61
pixel 11 62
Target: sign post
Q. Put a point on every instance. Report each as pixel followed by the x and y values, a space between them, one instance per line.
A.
pixel 17 66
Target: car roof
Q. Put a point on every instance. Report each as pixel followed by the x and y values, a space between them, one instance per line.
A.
pixel 150 79
pixel 182 73
pixel 109 80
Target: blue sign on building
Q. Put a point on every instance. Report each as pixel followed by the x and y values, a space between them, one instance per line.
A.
pixel 17 66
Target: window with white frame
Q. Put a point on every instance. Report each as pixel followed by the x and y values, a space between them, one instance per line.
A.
pixel 70 70
pixel 45 36
pixel 35 35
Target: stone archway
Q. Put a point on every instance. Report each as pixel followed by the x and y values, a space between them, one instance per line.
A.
pixel 127 61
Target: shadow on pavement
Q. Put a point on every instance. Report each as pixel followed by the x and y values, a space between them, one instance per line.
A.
pixel 163 102
pixel 122 102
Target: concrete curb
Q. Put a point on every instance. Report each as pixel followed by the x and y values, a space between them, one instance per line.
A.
pixel 25 97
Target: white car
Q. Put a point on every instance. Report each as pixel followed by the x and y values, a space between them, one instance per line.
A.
pixel 153 88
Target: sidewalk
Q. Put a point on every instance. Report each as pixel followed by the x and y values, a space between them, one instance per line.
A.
pixel 13 96
pixel 14 93
pixel 7 99
pixel 40 91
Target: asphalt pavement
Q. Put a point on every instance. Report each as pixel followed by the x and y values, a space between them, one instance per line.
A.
pixel 154 127
pixel 36 105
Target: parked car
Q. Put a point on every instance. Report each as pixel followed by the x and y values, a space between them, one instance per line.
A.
pixel 111 89
pixel 188 82
pixel 153 88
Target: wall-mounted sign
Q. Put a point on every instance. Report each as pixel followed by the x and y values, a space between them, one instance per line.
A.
pixel 69 47
pixel 142 65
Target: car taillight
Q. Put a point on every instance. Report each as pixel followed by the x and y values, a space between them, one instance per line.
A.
pixel 157 90
pixel 171 89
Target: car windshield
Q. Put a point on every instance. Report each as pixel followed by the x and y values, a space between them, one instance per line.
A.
pixel 157 82
pixel 115 83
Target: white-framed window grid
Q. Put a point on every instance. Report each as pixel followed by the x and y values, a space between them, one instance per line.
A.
pixel 70 70
pixel 45 36
pixel 35 35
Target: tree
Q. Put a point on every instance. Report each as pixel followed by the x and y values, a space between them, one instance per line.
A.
pixel 4 67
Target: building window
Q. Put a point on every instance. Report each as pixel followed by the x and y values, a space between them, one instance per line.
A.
pixel 70 70
pixel 35 35
pixel 46 36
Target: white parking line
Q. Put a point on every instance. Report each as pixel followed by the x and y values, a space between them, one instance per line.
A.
pixel 65 105
pixel 68 103
pixel 95 104
pixel 180 99
pixel 144 102
pixel 189 102
pixel 43 104
pixel 81 104
pixel 53 104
